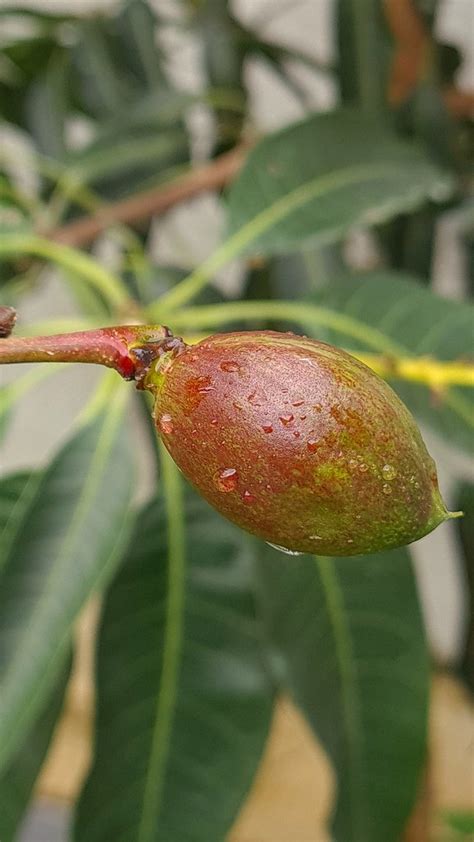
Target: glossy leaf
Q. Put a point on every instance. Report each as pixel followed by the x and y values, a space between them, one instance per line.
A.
pixel 347 639
pixel 409 319
pixel 18 779
pixel 182 693
pixel 72 537
pixel 311 182
pixel 17 493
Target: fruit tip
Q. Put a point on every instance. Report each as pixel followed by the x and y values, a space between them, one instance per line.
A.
pixel 454 515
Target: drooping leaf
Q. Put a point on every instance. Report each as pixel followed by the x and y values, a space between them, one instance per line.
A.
pixel 465 533
pixel 347 637
pixel 17 493
pixel 74 533
pixel 182 692
pixel 311 182
pixel 18 778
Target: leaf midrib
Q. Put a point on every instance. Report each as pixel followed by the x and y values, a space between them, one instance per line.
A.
pixel 350 696
pixel 172 650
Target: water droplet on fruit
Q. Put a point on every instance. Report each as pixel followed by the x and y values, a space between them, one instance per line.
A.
pixel 296 434
pixel 286 420
pixel 166 424
pixel 363 468
pixel 267 428
pixel 229 365
pixel 248 497
pixel 255 399
pixel 386 488
pixel 350 540
pixel 283 549
pixel 353 464
pixel 312 445
pixel 389 472
pixel 315 538
pixel 298 403
pixel 226 479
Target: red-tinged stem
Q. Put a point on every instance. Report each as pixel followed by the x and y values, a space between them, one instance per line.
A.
pixel 129 349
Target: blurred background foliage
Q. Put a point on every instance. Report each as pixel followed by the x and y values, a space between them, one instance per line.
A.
pixel 136 163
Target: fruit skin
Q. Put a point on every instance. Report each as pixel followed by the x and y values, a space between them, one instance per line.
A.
pixel 297 442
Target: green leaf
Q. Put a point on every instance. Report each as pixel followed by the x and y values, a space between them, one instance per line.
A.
pixel 182 692
pixel 18 778
pixel 313 181
pixel 17 493
pixel 409 320
pixel 364 51
pixel 73 535
pixel 347 638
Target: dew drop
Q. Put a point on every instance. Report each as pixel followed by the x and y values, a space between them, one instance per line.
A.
pixel 296 434
pixel 315 538
pixel 350 540
pixel 363 468
pixel 237 405
pixel 303 417
pixel 255 399
pixel 386 488
pixel 229 365
pixel 166 424
pixel 298 403
pixel 283 549
pixel 267 428
pixel 286 420
pixel 248 497
pixel 226 479
pixel 312 445
pixel 214 422
pixel 389 472
pixel 353 464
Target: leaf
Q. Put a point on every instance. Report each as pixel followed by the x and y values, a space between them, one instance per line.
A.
pixel 409 320
pixel 182 692
pixel 364 51
pixel 18 779
pixel 17 493
pixel 348 637
pixel 311 182
pixel 72 538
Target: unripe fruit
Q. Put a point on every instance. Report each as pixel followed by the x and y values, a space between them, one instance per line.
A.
pixel 297 442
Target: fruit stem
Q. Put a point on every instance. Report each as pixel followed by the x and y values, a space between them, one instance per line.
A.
pixel 129 349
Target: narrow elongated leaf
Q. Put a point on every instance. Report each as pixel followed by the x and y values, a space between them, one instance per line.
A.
pixel 311 182
pixel 17 493
pixel 73 536
pixel 348 637
pixel 18 778
pixel 410 319
pixel 182 693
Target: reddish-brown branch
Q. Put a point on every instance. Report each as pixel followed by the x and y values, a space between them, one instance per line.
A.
pixel 142 206
pixel 122 348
